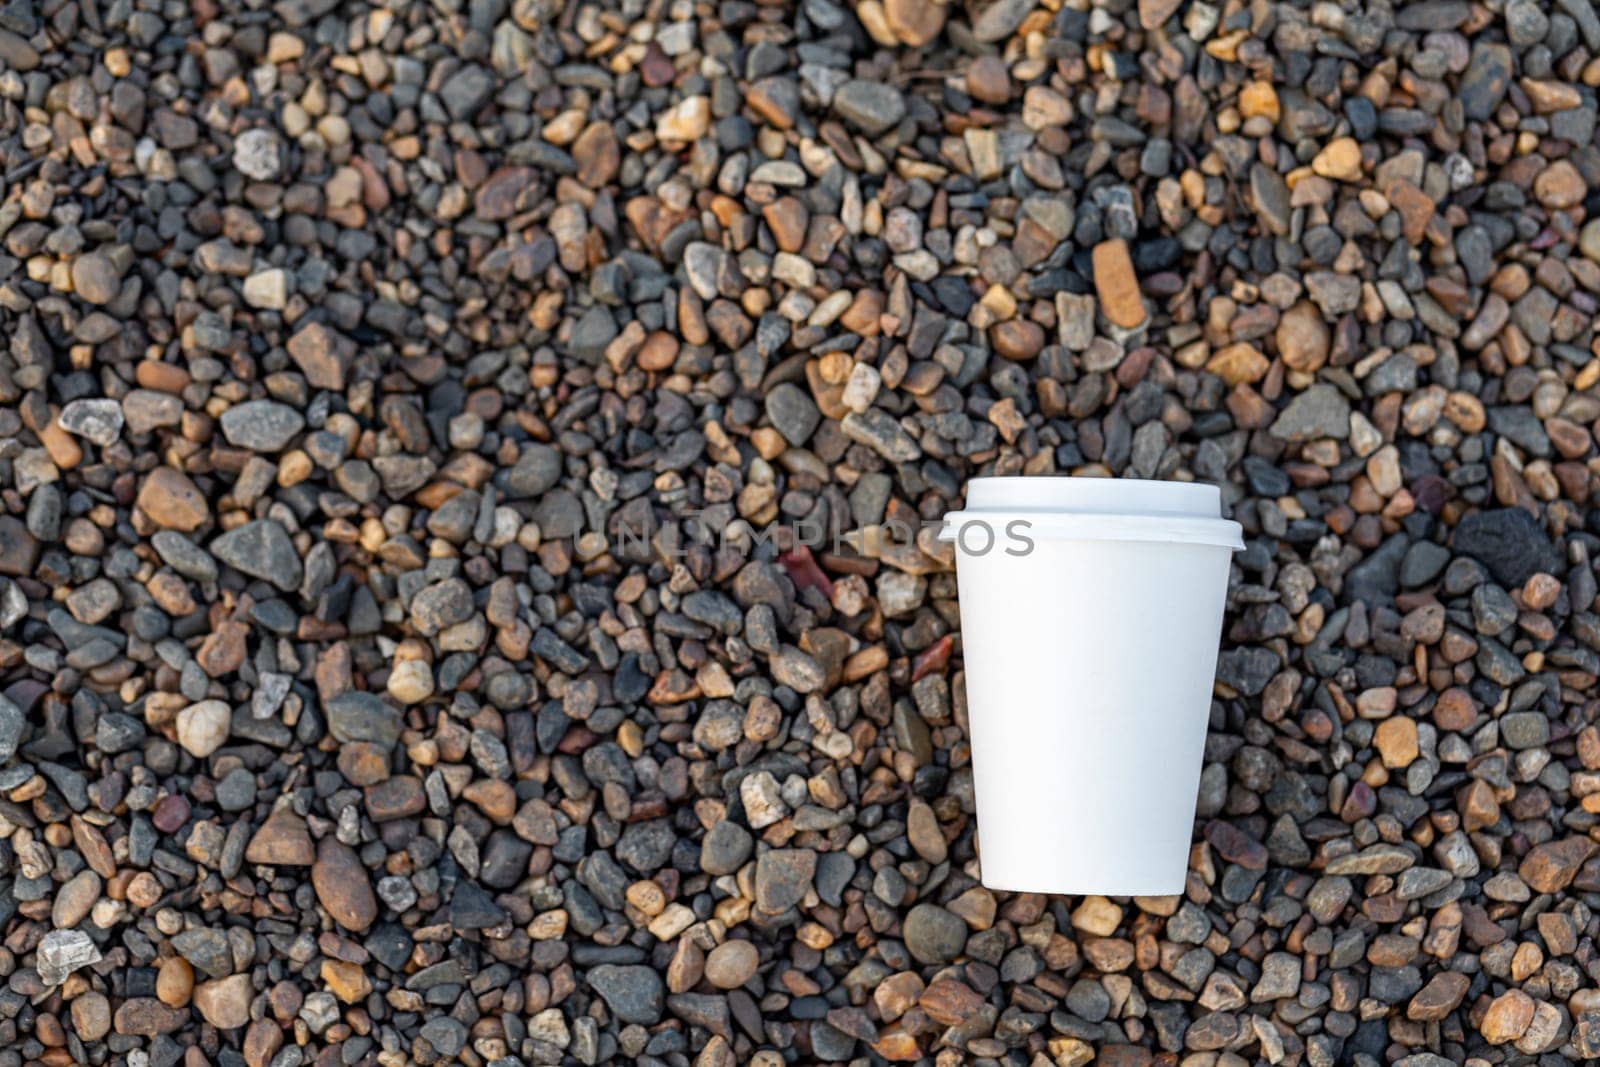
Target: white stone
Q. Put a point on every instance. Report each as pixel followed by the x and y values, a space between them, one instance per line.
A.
pixel 763 805
pixel 63 951
pixel 1364 437
pixel 550 1027
pixel 861 389
pixel 686 121
pixel 97 420
pixel 267 289
pixel 255 154
pixel 203 727
pixel 411 681
pixel 792 270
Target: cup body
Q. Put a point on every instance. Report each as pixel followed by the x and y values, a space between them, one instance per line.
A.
pixel 1090 642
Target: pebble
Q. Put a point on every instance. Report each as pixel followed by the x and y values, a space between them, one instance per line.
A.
pixel 1117 285
pixel 447 1036
pixel 342 886
pixel 61 952
pixel 725 848
pixel 1280 978
pixel 1097 916
pixel 171 500
pixel 322 354
pixel 934 935
pixel 793 413
pixel 411 682
pixel 1509 542
pixel 97 421
pixel 267 289
pixel 1017 339
pixel 872 107
pixel 1441 996
pixel 686 122
pixel 174 982
pixel 1552 866
pixel 1340 160
pixel 467 91
pixel 95 278
pixel 262 549
pixel 988 80
pixel 203 727
pixel 354 716
pixel 1000 19
pixel 1507 1017
pixel 1485 81
pixel 225 1002
pixel 261 425
pixel 634 994
pixel 255 154
pixel 147 1017
pixel 1320 411
pixel 913 22
pixel 91 1016
pixel 732 964
pixel 1303 339
pixel 1396 741
pixel 783 876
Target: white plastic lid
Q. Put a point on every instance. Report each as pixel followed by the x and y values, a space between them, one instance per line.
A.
pixel 1100 509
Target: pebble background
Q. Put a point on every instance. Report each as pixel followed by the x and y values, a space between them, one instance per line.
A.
pixel 403 658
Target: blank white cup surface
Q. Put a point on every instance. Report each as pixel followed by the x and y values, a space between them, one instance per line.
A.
pixel 1091 611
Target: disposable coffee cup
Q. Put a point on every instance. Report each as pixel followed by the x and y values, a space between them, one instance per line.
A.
pixel 1091 612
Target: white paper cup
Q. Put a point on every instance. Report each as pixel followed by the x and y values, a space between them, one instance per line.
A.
pixel 1091 610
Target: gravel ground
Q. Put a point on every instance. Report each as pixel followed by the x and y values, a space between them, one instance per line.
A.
pixel 406 412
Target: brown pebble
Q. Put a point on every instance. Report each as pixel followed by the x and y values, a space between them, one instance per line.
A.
pixel 144 890
pixel 1340 160
pixel 1238 364
pixel 787 218
pixel 1551 867
pixel 988 80
pixel 174 981
pixel 948 1002
pixel 1017 339
pixel 170 500
pixel 1153 14
pixel 147 1017
pixel 1507 1017
pixel 659 351
pixel 1116 284
pixel 1439 997
pixel 225 1002
pixel 347 981
pixel 1455 710
pixel 1478 806
pixel 597 154
pixel 322 354
pixel 732 964
pixel 343 886
pixel 1560 186
pixel 91 1016
pixel 1540 591
pixel 914 22
pixel 1303 338
pixel 281 841
pixel 1396 741
pixel 262 1041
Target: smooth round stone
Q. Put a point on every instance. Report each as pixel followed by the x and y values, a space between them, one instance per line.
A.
pixel 732 964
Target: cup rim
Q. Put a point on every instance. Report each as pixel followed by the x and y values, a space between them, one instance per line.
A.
pixel 1097 509
pixel 1092 495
